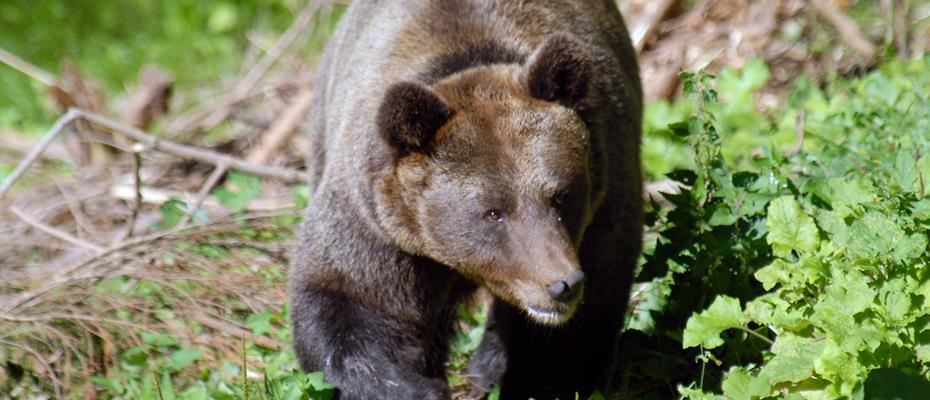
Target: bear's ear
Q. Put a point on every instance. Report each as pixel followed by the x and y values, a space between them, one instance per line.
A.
pixel 559 71
pixel 410 115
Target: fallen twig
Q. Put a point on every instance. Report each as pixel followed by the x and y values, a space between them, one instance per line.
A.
pixel 152 142
pixel 847 28
pixel 238 332
pixel 158 196
pixel 25 67
pixel 42 361
pixel 37 151
pixel 22 143
pixel 209 115
pixel 150 100
pixel 282 128
pixel 55 232
pixel 192 152
pixel 72 273
pixel 643 31
pixel 137 150
pixel 208 185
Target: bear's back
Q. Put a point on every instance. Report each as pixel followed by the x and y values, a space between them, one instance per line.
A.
pixel 379 43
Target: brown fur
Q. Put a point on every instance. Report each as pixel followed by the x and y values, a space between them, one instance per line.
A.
pixel 431 115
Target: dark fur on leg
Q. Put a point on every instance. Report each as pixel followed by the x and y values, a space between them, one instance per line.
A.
pixel 367 354
pixel 544 362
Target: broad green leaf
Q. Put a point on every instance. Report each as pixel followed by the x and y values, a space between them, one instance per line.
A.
pixel 921 209
pixel 896 300
pixel 834 224
pixel 197 392
pixel 301 195
pixel 911 247
pixel 849 192
pixel 184 357
pixel 850 291
pixel 722 215
pixel 838 366
pixel 739 384
pixel 111 385
pixel 873 235
pixel 754 75
pixel 922 351
pixel 790 228
pixel 775 273
pixel 704 329
pixel 904 172
pixel 794 359
pixel 165 390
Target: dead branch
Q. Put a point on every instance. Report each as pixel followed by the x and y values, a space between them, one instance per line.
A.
pixel 33 155
pixel 848 29
pixel 208 185
pixel 656 191
pixel 235 331
pixel 642 32
pixel 55 232
pixel 282 129
pixel 150 101
pixel 41 360
pixel 209 115
pixel 72 273
pixel 192 152
pixel 21 143
pixel 152 142
pixel 158 196
pixel 137 150
pixel 27 68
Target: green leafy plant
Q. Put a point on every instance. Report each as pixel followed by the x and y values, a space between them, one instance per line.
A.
pixel 805 272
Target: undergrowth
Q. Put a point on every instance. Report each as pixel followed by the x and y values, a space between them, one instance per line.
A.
pixel 795 271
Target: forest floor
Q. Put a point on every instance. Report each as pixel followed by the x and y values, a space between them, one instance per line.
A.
pixel 145 234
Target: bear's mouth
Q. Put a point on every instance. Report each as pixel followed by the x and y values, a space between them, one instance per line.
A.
pixel 549 316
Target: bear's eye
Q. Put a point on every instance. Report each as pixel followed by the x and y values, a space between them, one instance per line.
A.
pixel 494 215
pixel 559 198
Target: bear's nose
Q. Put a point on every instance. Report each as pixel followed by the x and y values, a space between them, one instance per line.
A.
pixel 566 288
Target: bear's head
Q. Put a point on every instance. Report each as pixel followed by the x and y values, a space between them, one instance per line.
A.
pixel 490 175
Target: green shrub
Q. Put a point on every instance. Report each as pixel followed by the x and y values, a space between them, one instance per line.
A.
pixel 801 274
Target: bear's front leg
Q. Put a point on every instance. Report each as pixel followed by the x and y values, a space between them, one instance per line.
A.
pixel 366 353
pixel 528 360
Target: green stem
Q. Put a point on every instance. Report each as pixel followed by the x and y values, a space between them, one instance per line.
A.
pixel 757 334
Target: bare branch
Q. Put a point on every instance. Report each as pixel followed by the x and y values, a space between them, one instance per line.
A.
pixel 52 231
pixel 282 128
pixel 192 152
pixel 643 31
pixel 37 151
pixel 137 150
pixel 236 331
pixel 847 28
pixel 208 185
pixel 214 113
pixel 25 67
pixel 158 196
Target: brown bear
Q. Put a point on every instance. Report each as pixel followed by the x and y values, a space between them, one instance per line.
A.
pixel 459 144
